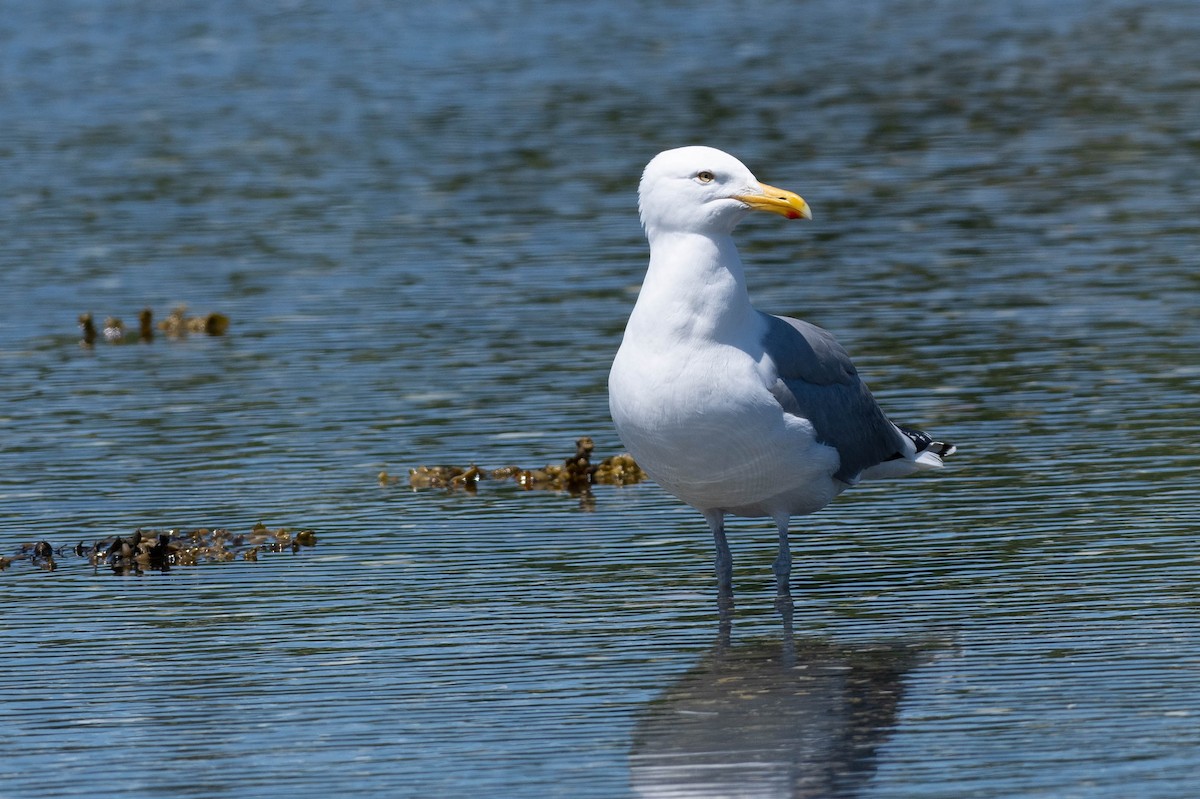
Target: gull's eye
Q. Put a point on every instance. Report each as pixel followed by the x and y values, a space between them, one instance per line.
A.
pixel 705 176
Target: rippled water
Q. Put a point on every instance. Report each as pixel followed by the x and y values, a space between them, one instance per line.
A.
pixel 421 223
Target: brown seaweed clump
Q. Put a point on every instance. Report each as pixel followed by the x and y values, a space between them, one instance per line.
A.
pixel 146 326
pixel 177 325
pixel 114 330
pixel 160 550
pixel 575 474
pixel 87 328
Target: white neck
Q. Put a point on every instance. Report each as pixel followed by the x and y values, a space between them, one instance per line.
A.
pixel 694 288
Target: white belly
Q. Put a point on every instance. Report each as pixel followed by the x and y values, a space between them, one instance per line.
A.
pixel 703 424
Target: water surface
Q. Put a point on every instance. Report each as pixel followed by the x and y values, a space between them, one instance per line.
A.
pixel 422 225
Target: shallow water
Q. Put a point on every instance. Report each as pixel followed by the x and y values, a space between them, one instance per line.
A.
pixel 422 226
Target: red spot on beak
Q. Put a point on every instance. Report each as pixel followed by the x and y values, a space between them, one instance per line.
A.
pixel 793 215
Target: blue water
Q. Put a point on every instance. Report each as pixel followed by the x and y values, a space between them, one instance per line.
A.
pixel 421 223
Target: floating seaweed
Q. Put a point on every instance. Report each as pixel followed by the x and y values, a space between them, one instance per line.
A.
pixel 88 328
pixel 576 474
pixel 42 554
pixel 177 325
pixel 160 550
pixel 146 326
pixel 114 330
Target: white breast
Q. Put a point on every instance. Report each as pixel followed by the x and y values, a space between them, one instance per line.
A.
pixel 687 417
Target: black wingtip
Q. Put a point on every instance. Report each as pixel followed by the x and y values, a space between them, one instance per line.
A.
pixel 925 443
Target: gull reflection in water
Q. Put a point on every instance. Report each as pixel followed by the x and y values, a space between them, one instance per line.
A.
pixel 773 718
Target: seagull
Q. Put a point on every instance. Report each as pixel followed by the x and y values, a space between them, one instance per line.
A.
pixel 732 410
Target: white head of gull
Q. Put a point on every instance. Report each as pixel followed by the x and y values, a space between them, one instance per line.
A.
pixel 732 410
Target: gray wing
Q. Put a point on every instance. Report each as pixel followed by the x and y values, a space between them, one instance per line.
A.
pixel 818 382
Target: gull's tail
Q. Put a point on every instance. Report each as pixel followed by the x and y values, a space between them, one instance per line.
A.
pixel 929 453
pixel 920 452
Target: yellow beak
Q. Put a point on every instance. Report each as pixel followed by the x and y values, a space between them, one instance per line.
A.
pixel 777 201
